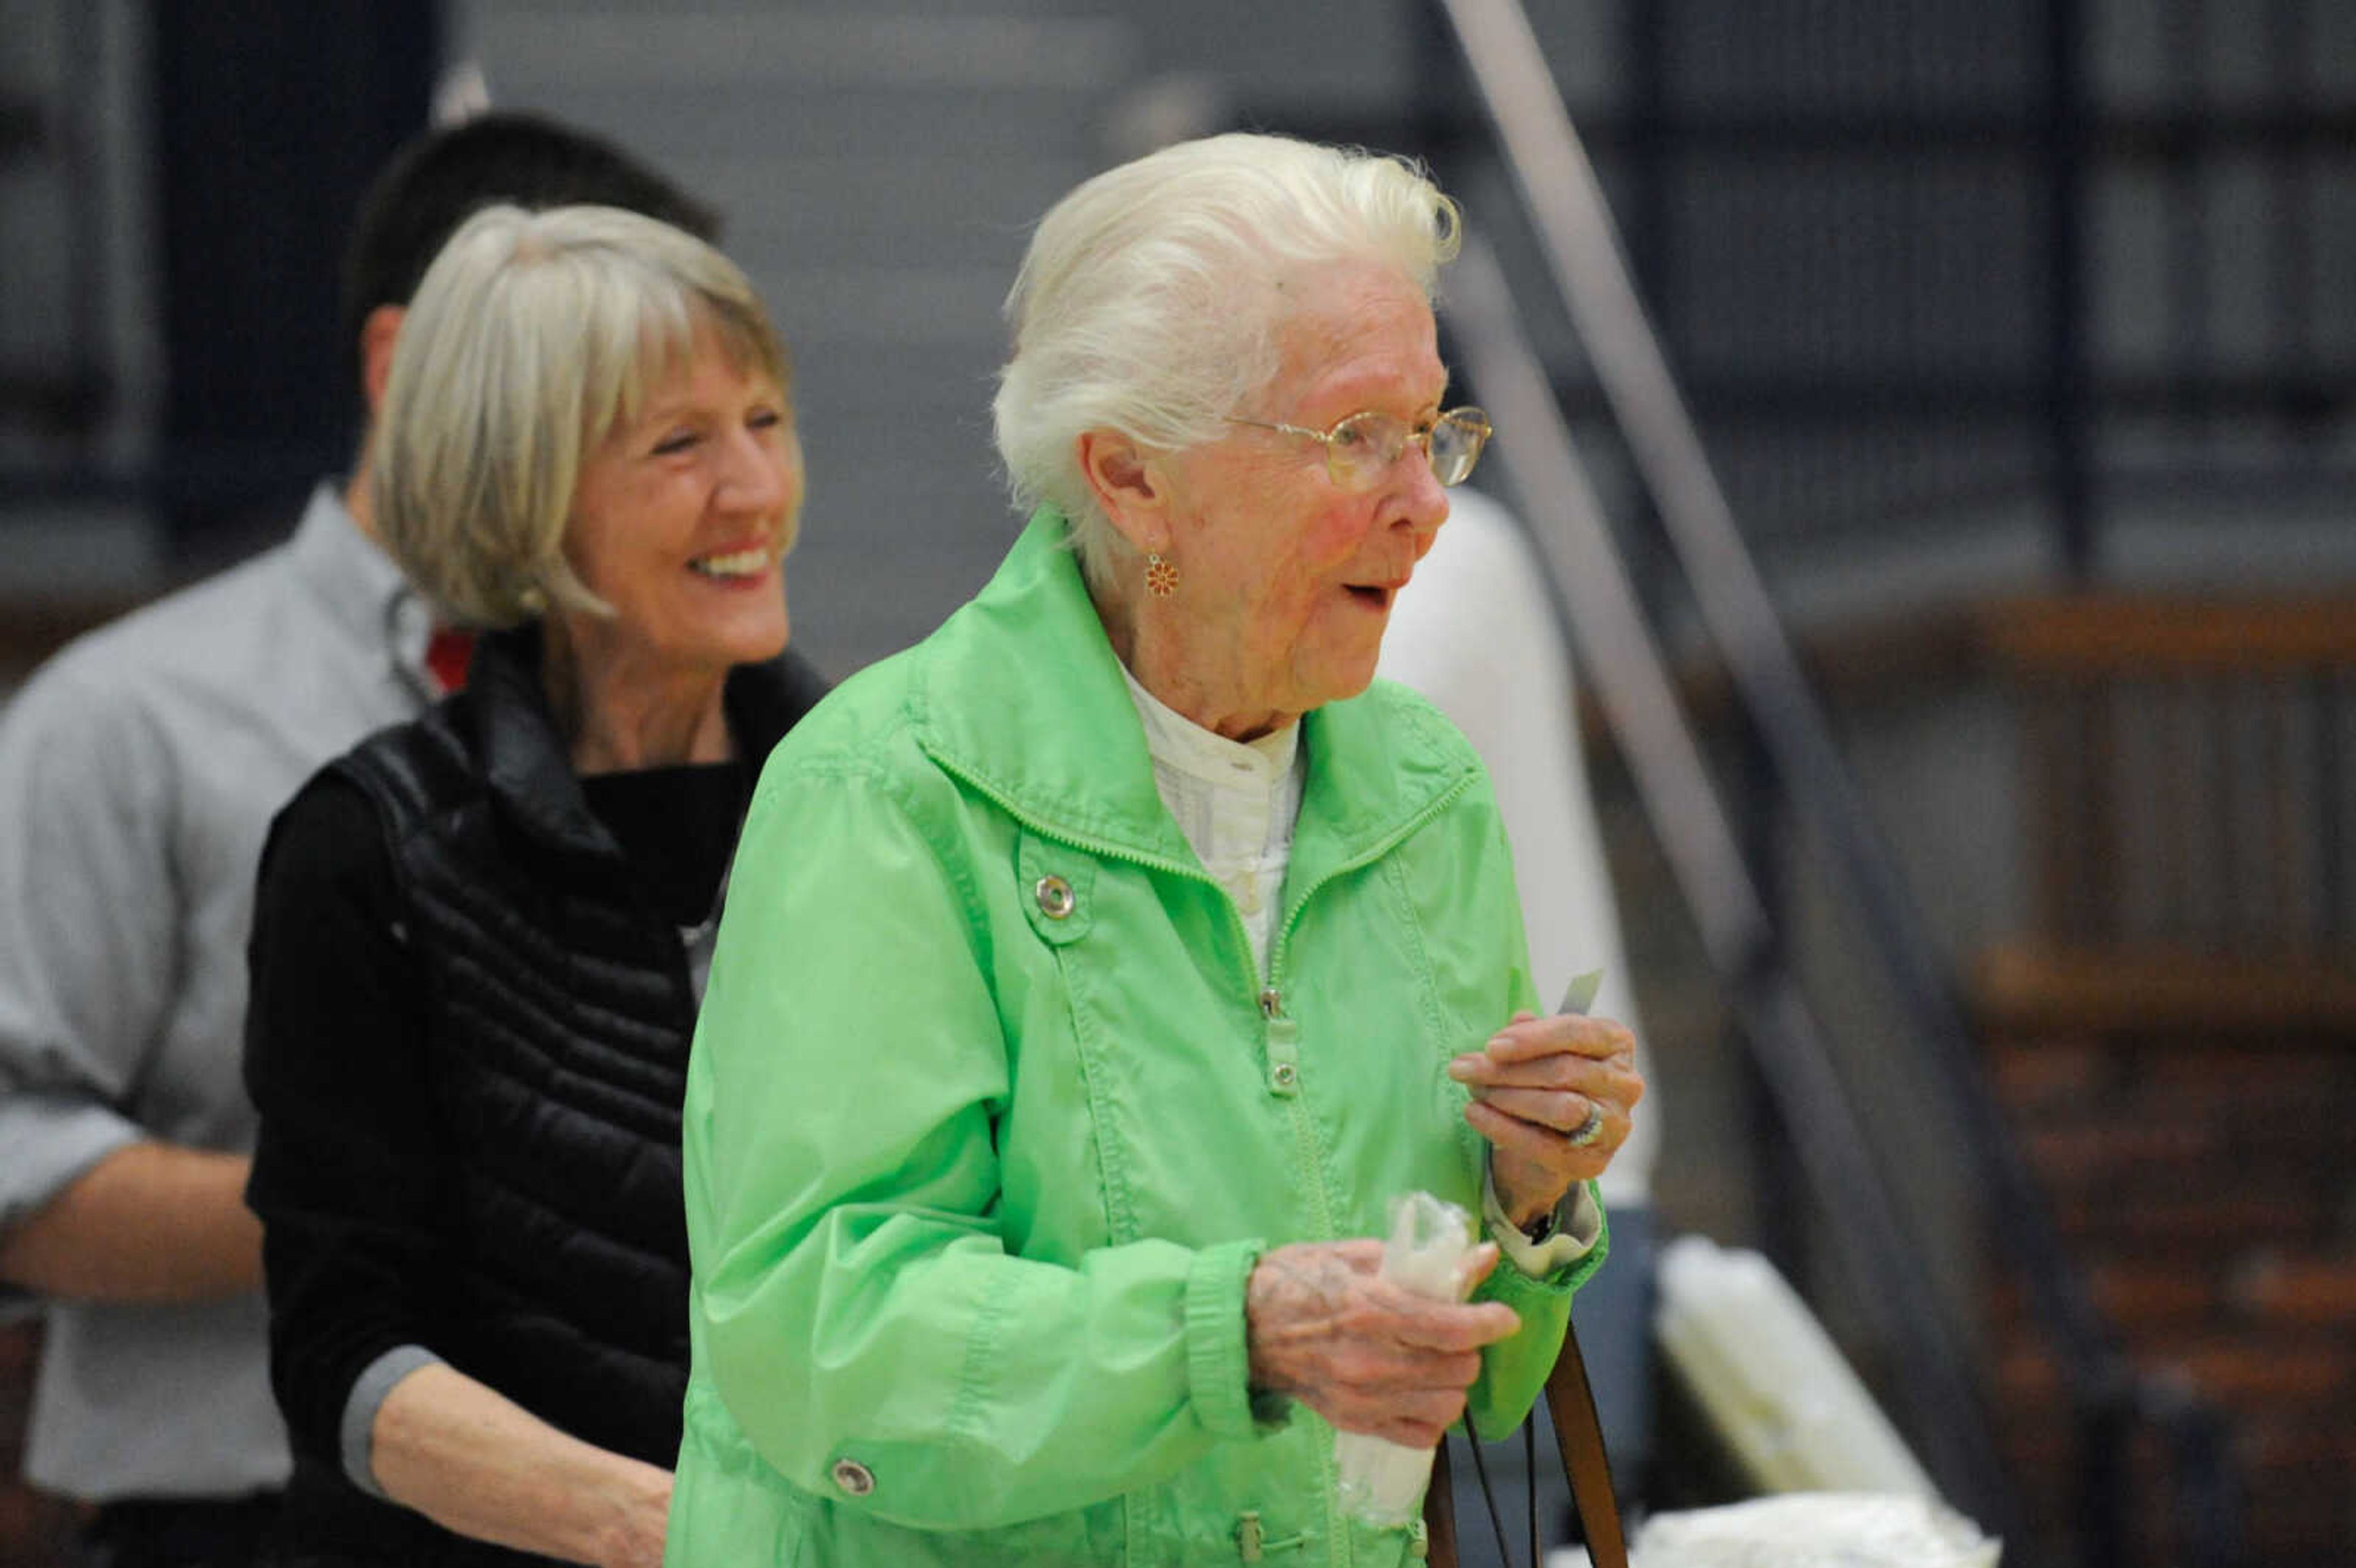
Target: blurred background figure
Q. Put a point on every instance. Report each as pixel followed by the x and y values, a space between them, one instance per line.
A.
pixel 138 771
pixel 480 939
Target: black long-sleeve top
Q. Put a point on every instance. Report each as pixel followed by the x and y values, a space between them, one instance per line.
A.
pixel 349 1176
pixel 467 1038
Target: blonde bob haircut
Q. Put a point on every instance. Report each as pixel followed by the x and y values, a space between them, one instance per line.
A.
pixel 1151 299
pixel 532 337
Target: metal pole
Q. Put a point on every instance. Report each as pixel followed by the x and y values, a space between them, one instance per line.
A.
pixel 2069 403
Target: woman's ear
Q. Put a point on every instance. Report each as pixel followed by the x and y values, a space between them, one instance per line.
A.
pixel 378 332
pixel 1129 485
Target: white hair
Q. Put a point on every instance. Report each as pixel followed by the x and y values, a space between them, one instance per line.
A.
pixel 530 337
pixel 1151 299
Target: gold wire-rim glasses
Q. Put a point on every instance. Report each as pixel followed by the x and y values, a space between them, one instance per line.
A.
pixel 1362 447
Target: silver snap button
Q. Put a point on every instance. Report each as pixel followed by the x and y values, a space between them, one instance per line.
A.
pixel 1054 896
pixel 853 1478
pixel 1285 1074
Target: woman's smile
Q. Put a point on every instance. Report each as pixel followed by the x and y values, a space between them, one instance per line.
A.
pixel 738 565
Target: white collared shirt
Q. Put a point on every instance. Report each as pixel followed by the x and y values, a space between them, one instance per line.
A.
pixel 1236 801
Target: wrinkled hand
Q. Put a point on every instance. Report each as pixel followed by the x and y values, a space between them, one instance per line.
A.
pixel 1324 1326
pixel 1533 1086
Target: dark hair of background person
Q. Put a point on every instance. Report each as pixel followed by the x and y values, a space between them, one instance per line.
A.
pixel 436 183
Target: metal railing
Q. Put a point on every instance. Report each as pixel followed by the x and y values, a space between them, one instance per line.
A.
pixel 1623 666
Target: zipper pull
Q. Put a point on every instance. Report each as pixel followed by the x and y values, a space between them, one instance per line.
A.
pixel 1282 1045
pixel 1248 1536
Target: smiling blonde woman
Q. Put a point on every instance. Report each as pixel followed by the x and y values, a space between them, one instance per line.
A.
pixel 480 938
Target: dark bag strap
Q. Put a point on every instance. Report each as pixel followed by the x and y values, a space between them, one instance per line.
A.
pixel 1580 1437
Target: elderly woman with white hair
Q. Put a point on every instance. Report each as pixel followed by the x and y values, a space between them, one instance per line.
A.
pixel 479 938
pixel 1099 971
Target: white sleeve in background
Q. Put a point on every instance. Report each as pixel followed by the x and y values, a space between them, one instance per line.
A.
pixel 1476 632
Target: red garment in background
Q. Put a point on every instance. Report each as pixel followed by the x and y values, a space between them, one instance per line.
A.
pixel 447 653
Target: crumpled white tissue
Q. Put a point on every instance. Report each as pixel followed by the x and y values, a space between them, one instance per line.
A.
pixel 1379 1481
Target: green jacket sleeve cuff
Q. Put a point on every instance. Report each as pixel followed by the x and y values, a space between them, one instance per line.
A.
pixel 1219 1357
pixel 1514 1369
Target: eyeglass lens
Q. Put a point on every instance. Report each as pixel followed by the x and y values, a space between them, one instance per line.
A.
pixel 1363 448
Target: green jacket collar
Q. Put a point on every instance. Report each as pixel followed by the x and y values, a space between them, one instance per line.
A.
pixel 1073 763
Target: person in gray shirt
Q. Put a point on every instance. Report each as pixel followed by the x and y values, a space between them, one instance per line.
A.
pixel 139 771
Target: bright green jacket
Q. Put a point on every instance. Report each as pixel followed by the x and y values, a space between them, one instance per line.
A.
pixel 990 1113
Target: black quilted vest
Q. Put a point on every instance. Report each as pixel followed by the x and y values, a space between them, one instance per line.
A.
pixel 561 1014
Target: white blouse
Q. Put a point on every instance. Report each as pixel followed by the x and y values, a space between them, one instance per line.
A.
pixel 1236 801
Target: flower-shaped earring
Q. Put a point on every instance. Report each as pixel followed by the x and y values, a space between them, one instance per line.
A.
pixel 1161 577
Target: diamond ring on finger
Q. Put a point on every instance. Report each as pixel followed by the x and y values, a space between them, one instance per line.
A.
pixel 1588 1131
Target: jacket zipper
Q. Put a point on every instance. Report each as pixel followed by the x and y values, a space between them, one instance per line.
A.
pixel 1371 853
pixel 1272 1009
pixel 1270 1000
